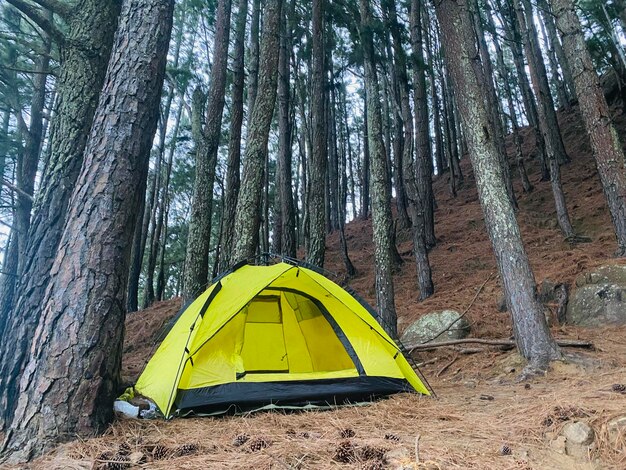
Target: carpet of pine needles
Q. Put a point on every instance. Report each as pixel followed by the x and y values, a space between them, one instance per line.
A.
pixel 481 412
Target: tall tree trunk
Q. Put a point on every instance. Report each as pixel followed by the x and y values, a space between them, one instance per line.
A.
pixel 493 103
pixel 165 203
pixel 382 223
pixel 508 91
pixel 317 167
pixel 365 169
pixel 547 115
pixel 207 145
pixel 514 39
pixel 73 371
pixel 84 55
pixel 416 201
pixel 605 142
pixel 563 62
pixel 539 79
pixel 531 332
pixel 140 238
pixel 253 58
pixel 424 159
pixel 26 170
pixel 333 158
pixel 234 145
pixel 247 217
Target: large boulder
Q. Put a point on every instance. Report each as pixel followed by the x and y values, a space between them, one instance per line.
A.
pixel 599 298
pixel 430 325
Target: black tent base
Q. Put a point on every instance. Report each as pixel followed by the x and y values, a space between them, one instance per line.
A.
pixel 239 397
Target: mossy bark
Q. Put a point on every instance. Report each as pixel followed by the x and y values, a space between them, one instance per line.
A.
pixel 382 222
pixel 72 374
pixel 84 55
pixel 605 142
pixel 532 335
pixel 248 214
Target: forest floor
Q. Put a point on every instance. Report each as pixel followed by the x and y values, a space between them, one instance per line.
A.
pixel 480 406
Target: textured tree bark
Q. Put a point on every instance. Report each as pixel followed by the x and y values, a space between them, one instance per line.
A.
pixel 532 335
pixel 207 145
pixel 253 58
pixel 247 217
pixel 605 142
pixel 72 374
pixel 424 159
pixel 382 223
pixel 234 145
pixel 547 115
pixel 317 166
pixel 84 55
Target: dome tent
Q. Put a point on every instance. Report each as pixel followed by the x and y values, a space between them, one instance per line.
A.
pixel 280 335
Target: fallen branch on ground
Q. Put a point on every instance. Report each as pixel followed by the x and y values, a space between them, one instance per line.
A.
pixel 572 343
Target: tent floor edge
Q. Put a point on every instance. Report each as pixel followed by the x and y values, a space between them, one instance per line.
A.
pixel 297 393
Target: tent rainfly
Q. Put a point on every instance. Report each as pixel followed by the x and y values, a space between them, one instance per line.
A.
pixel 280 335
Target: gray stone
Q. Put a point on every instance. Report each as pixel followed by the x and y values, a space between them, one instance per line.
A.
pixel 579 433
pixel 501 303
pixel 430 325
pixel 579 438
pixel 599 298
pixel 546 291
pixel 616 429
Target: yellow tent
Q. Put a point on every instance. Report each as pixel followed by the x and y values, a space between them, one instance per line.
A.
pixel 274 335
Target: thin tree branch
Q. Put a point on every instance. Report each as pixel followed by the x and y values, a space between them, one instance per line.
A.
pixel 57 7
pixel 492 342
pixel 2 222
pixel 17 190
pixel 35 15
pixel 39 72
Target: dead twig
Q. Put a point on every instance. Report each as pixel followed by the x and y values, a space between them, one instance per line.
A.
pixel 480 289
pixel 417 449
pixel 429 361
pixel 444 368
pixel 572 343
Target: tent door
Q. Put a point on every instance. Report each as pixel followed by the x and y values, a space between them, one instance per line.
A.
pixel 264 349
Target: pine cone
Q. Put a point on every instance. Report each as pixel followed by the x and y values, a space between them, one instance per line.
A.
pixel 392 437
pixel 344 452
pixel 257 444
pixel 124 449
pixel 373 465
pixel 505 450
pixel 240 440
pixel 160 452
pixel 619 388
pixel 347 433
pixel 117 462
pixel 186 449
pixel 371 453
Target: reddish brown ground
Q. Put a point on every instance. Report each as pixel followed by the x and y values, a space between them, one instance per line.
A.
pixel 464 428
